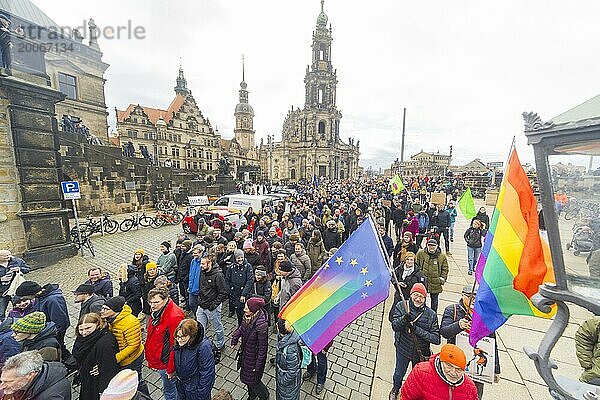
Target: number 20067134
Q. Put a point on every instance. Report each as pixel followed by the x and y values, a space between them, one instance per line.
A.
pixel 45 47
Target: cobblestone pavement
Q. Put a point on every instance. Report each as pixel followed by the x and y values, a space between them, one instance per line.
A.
pixel 351 359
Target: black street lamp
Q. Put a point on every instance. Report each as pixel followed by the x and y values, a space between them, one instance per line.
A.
pixel 571 192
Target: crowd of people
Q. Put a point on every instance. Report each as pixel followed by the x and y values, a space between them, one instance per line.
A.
pixel 158 312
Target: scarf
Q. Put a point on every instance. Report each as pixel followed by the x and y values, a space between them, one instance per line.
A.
pixel 83 345
pixel 407 271
pixel 156 315
pixel 440 372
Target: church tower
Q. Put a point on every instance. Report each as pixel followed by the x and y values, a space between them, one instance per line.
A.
pixel 320 82
pixel 244 116
pixel 181 87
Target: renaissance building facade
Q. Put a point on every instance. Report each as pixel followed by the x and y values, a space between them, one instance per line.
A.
pixel 311 144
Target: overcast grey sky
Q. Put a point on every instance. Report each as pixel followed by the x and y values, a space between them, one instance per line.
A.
pixel 465 70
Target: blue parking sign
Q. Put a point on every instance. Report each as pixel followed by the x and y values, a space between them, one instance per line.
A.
pixel 70 190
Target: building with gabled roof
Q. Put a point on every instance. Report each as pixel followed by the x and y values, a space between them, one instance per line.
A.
pixel 179 136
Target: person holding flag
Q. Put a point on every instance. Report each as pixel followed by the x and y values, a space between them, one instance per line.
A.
pixel 396 185
pixel 415 328
pixel 457 318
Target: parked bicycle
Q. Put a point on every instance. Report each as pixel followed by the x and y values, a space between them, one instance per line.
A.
pixel 91 226
pixel 135 221
pixel 165 205
pixel 86 242
pixel 162 218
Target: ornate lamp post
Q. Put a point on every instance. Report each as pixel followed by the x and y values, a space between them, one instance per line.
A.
pixel 573 135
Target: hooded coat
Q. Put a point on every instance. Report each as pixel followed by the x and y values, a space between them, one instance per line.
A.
pixel 103 286
pixel 92 305
pixel 98 349
pixel 422 329
pixel 50 384
pixel 254 347
pixel 587 348
pixel 127 330
pixel 302 263
pixel 132 290
pixel 239 279
pixel 331 238
pixel 45 343
pixel 262 248
pixel 434 267
pixel 288 373
pixel 194 368
pixel 8 345
pixel 317 254
pixel 52 303
pixel 289 285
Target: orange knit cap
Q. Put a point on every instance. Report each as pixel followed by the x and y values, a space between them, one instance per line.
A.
pixel 454 355
pixel 141 251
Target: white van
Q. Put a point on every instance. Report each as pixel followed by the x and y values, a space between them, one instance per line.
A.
pixel 242 202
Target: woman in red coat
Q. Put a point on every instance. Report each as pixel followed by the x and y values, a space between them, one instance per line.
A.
pixel 441 378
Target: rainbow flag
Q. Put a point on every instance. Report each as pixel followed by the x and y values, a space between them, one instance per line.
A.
pixel 396 184
pixel 354 280
pixel 514 260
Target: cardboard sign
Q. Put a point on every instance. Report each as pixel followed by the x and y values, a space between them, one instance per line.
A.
pixel 438 198
pixel 481 360
pixel 386 203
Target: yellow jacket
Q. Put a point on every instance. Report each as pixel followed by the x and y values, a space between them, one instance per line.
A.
pixel 128 332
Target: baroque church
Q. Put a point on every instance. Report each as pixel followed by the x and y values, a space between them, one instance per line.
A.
pixel 311 144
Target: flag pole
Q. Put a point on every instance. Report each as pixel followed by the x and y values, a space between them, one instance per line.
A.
pixel 394 279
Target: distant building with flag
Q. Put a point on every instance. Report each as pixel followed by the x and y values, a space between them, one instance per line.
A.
pixel 354 280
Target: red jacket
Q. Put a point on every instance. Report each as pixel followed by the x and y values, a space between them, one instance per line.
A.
pixel 160 339
pixel 424 383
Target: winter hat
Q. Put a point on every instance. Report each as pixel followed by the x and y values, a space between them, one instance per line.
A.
pixel 187 244
pixel 201 221
pixel 260 271
pixel 151 265
pixel 419 288
pixel 166 244
pixel 454 355
pixel 141 251
pixel 286 266
pixel 273 229
pixel 255 304
pixel 260 233
pixel 122 387
pixel 248 244
pixel 115 303
pixel 238 234
pixel 28 288
pixel 84 289
pixel 432 241
pixel 294 237
pixel 31 323
pixel 237 253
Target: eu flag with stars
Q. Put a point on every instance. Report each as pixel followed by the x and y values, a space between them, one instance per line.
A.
pixel 354 280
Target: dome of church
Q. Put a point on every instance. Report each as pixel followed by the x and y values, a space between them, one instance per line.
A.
pixel 161 122
pixel 244 108
pixel 322 19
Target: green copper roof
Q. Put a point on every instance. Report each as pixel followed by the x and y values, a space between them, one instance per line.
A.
pixel 589 109
pixel 28 11
pixel 322 18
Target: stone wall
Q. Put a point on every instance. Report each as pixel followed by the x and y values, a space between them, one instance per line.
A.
pixel 12 233
pixel 110 182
